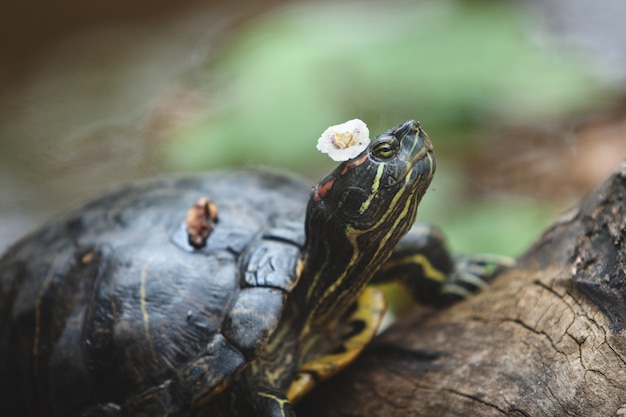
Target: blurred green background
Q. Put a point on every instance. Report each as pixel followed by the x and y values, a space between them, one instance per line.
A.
pixel 134 93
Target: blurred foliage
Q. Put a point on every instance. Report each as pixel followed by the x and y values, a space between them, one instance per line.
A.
pixel 505 224
pixel 198 90
pixel 290 74
pixel 457 67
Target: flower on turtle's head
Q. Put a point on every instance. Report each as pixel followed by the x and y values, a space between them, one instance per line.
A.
pixel 344 141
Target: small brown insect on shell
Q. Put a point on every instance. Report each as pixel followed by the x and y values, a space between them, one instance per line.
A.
pixel 200 221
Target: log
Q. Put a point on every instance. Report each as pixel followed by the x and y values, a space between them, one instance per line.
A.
pixel 545 339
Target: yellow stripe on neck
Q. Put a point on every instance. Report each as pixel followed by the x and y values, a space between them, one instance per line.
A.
pixel 375 187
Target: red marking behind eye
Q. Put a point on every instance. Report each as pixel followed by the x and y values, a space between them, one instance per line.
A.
pixel 352 163
pixel 322 189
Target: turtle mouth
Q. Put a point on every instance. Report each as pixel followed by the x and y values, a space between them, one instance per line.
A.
pixel 422 164
pixel 418 160
pixel 424 161
pixel 419 169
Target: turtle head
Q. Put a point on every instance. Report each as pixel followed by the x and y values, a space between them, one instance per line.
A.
pixel 357 214
pixel 397 166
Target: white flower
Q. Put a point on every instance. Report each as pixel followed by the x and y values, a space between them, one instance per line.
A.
pixel 344 141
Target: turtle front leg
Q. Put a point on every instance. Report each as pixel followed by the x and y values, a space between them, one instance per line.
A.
pixel 422 263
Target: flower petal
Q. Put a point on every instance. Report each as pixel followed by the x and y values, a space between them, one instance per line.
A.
pixel 344 141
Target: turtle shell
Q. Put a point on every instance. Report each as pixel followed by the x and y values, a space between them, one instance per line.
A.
pixel 111 307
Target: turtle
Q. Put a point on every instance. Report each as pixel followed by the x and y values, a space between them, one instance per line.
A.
pixel 225 294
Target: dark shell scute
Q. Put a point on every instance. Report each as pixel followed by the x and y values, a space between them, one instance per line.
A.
pixel 210 372
pixel 288 229
pixel 271 264
pixel 253 316
pixel 119 311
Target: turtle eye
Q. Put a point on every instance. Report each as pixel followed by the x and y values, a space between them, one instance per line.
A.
pixel 385 149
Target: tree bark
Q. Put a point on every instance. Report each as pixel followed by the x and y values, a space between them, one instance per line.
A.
pixel 545 339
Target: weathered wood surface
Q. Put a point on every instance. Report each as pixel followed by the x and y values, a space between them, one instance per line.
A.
pixel 546 339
